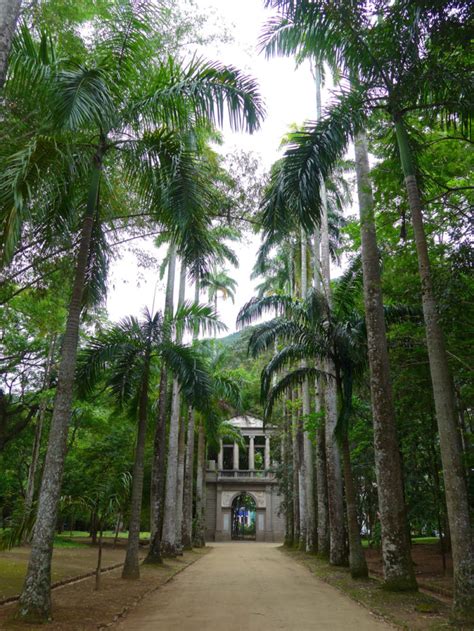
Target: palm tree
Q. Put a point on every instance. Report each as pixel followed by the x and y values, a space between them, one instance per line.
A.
pixel 171 535
pixel 126 353
pixel 396 63
pixel 314 330
pixel 97 117
pixel 212 426
pixel 219 282
pixel 173 518
pixel 308 536
pixel 289 218
pixel 187 528
pixel 300 39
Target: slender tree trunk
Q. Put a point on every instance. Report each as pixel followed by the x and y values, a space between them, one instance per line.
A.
pixel 199 535
pixel 9 13
pixel 337 548
pixel 450 445
pixel 322 484
pixel 35 599
pixel 180 485
pixel 337 551
pixel 301 482
pixel 321 465
pixel 288 482
pixel 171 538
pixel 357 562
pixel 32 472
pixel 311 535
pixel 158 473
pixel 131 568
pixel 296 469
pixel 397 563
pixel 117 529
pixel 158 470
pixel 187 530
pixel 93 526
pixel 98 568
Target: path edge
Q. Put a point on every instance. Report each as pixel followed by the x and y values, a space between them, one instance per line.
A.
pixel 126 610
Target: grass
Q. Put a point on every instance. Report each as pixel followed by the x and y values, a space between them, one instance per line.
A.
pixel 415 540
pixel 60 541
pixel 413 611
pixel 78 607
pixel 425 540
pixel 73 555
pixel 70 558
pixel 107 533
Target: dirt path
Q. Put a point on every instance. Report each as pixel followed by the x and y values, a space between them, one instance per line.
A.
pixel 249 586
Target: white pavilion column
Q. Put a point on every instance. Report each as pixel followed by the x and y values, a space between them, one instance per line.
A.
pixel 252 452
pixel 267 452
pixel 236 457
pixel 220 457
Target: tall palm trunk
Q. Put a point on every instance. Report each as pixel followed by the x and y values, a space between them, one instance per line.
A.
pixel 337 549
pixel 187 530
pixel 450 445
pixel 288 481
pixel 296 467
pixel 33 470
pixel 322 479
pixel 35 599
pixel 199 535
pixel 158 470
pixel 337 552
pixel 9 13
pixel 398 567
pixel 180 485
pixel 308 465
pixel 397 564
pixel 321 468
pixel 170 542
pixel 131 568
pixel 301 479
pixel 357 563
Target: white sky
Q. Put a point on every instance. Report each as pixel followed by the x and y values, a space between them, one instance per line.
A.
pixel 289 98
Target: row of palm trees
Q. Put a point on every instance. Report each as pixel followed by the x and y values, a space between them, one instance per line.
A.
pixel 120 131
pixel 390 58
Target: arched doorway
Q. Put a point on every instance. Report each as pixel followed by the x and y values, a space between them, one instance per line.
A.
pixel 244 512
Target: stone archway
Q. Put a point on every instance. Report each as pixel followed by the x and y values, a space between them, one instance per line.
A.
pixel 244 516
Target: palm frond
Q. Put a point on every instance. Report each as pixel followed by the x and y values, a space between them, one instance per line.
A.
pixel 283 359
pixel 228 389
pixel 121 341
pixel 255 308
pixel 295 378
pixel 204 89
pixel 192 317
pixel 40 167
pixel 348 288
pixel 308 160
pixel 95 288
pixel 82 98
pixel 188 368
pixel 265 335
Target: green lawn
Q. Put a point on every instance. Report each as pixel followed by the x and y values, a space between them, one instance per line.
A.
pixel 425 540
pixel 70 559
pixel 365 543
pixel 67 534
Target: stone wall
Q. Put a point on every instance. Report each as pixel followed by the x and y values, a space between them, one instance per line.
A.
pixel 270 525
